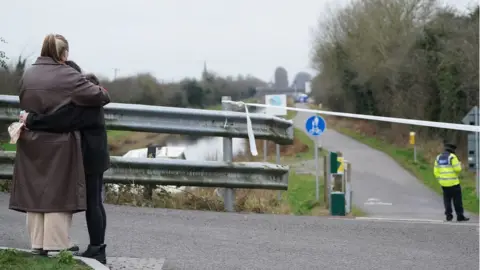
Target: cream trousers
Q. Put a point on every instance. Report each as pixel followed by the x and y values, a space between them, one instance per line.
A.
pixel 49 231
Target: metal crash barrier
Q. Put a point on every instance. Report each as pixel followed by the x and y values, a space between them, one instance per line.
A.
pixel 172 120
pixel 224 174
pixel 123 170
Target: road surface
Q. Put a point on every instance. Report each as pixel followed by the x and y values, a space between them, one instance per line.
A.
pixel 381 187
pixel 210 240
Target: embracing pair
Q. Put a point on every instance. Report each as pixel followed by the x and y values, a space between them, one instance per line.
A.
pixel 62 152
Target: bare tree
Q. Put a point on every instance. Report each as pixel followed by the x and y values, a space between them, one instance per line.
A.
pixel 403 58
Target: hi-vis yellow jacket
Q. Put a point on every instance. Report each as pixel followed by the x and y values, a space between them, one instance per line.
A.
pixel 446 170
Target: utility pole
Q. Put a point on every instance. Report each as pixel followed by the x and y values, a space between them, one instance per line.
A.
pixel 295 88
pixel 115 70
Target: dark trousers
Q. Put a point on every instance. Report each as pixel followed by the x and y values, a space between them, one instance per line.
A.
pixel 95 214
pixel 453 193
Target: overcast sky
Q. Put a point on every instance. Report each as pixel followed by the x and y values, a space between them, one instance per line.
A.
pixel 171 38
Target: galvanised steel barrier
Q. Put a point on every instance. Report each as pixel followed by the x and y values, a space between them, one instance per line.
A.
pixel 157 119
pixel 176 172
pixel 172 120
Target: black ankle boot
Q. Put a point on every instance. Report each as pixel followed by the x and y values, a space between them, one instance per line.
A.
pixel 96 252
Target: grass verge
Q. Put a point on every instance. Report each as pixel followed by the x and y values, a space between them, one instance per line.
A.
pixel 422 169
pixel 301 195
pixel 11 259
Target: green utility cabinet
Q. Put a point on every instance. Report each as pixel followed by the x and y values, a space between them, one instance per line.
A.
pixel 337 203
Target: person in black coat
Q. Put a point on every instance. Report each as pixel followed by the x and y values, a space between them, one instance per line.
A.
pixel 90 121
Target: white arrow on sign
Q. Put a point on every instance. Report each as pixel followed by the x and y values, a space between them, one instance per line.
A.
pixel 375 201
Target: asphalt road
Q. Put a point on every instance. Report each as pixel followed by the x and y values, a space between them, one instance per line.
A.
pixel 211 240
pixel 381 187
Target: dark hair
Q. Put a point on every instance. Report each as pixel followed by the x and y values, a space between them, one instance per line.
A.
pixel 54 46
pixel 73 65
pixel 91 77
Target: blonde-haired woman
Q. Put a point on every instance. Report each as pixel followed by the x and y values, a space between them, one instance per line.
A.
pixel 49 180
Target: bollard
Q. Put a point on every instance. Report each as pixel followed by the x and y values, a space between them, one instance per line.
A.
pixel 229 195
pixel 412 142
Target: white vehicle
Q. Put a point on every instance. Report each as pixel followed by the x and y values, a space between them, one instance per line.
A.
pixel 173 152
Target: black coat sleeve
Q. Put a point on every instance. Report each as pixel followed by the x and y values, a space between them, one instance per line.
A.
pixel 66 119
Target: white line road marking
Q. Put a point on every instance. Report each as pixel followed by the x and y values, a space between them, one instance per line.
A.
pixel 415 220
pixel 375 201
pixel 403 219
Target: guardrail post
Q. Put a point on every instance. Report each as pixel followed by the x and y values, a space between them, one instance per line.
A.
pixel 229 195
pixel 148 189
pixel 277 150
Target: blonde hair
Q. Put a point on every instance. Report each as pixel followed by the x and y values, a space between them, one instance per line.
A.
pixel 55 46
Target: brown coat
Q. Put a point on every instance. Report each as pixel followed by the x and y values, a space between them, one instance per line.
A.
pixel 48 174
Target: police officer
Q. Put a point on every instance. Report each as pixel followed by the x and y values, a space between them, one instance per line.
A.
pixel 446 170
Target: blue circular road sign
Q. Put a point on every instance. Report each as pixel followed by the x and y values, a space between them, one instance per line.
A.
pixel 315 125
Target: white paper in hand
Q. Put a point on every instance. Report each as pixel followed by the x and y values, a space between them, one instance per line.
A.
pixel 14 130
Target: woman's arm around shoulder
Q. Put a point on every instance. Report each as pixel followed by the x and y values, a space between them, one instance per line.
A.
pixel 83 92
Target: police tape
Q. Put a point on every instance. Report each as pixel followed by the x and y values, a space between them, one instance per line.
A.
pixel 414 122
pixel 251 135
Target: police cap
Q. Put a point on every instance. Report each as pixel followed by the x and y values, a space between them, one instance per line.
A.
pixel 450 146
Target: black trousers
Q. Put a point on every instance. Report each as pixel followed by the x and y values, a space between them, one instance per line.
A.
pixel 95 214
pixel 453 193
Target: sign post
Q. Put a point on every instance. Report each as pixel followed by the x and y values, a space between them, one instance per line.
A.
pixel 473 118
pixel 315 126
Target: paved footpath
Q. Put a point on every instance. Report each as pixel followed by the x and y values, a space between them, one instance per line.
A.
pixel 211 240
pixel 381 187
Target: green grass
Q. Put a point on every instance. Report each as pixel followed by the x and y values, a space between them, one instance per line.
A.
pixel 301 193
pixel 423 169
pixel 11 259
pixel 291 114
pixel 116 134
pixel 301 196
pixel 9 147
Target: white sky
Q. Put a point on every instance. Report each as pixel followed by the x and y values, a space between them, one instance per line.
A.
pixel 172 38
